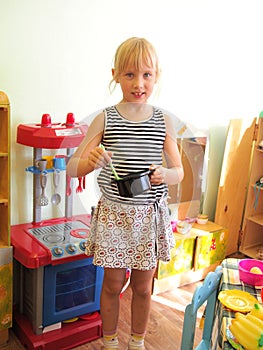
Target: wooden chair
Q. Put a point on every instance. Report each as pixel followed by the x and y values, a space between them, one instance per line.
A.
pixel 208 291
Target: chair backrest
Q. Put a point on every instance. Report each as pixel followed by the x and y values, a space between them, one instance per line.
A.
pixel 208 291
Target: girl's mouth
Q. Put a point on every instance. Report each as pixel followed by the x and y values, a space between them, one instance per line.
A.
pixel 138 94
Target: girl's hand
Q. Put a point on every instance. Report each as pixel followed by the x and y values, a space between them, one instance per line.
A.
pixel 98 158
pixel 158 176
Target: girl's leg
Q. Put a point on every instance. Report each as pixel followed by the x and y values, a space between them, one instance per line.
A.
pixel 141 284
pixel 109 305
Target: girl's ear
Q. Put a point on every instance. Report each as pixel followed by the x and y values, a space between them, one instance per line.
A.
pixel 157 78
pixel 112 72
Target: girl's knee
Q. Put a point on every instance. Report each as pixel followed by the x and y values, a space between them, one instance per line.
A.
pixel 112 288
pixel 113 281
pixel 141 290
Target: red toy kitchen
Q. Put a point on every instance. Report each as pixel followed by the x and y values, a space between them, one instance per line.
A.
pixel 56 286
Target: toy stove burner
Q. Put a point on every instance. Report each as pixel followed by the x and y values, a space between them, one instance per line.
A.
pixel 54 238
pixel 64 239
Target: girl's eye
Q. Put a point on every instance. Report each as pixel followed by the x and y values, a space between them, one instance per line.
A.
pixel 129 75
pixel 147 75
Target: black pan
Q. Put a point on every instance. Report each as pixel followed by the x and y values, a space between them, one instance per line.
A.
pixel 134 184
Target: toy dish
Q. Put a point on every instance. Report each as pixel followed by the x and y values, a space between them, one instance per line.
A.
pixel 89 317
pixel 232 340
pixel 183 227
pixel 202 219
pixel 244 267
pixel 237 300
pixel 74 319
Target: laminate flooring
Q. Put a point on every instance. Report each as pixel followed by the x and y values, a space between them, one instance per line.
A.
pixel 164 328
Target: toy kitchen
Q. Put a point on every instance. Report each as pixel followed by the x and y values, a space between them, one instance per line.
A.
pixel 56 286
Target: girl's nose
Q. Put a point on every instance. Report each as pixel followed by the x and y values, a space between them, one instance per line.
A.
pixel 138 82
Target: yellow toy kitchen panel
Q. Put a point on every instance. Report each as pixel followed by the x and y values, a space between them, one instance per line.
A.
pixel 210 248
pixel 181 258
pixel 6 274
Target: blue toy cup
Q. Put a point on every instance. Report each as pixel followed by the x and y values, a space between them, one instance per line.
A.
pixel 59 162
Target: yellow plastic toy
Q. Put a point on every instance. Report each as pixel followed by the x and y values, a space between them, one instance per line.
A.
pixel 248 331
pixel 257 311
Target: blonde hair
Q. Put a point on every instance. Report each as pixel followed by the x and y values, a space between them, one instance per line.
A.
pixel 135 52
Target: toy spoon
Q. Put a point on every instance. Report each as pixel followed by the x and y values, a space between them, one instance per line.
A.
pixel 112 167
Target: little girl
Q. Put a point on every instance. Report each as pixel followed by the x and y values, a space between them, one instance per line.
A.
pixel 133 232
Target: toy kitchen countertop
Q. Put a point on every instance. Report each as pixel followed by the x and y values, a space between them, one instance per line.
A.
pixel 53 241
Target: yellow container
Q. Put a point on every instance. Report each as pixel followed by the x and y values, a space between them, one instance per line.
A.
pixel 49 161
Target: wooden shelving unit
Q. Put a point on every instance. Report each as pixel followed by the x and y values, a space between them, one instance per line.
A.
pixel 251 239
pixel 5 247
pixel 240 201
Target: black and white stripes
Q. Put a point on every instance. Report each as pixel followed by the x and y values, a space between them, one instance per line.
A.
pixel 135 146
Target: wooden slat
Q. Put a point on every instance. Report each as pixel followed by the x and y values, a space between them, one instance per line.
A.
pixel 3 337
pixel 234 179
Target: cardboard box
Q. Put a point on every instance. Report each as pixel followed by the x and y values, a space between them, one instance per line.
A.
pixel 181 257
pixel 193 256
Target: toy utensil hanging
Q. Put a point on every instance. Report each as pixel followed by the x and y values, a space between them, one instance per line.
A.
pixel 112 168
pixel 68 188
pixel 56 199
pixel 79 188
pixel 257 188
pixel 43 200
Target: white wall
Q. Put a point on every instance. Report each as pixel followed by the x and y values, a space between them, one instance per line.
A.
pixel 56 56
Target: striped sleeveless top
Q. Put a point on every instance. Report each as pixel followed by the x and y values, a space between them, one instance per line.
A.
pixel 135 146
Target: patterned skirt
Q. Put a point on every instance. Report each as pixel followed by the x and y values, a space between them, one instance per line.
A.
pixel 130 236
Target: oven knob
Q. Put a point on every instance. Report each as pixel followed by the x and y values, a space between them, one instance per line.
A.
pixel 82 245
pixel 57 251
pixel 71 248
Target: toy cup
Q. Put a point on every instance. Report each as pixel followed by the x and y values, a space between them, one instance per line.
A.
pixel 59 162
pixel 41 164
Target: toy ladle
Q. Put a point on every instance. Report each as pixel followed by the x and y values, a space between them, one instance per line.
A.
pixel 112 167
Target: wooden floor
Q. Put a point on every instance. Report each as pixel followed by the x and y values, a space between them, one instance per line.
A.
pixel 164 327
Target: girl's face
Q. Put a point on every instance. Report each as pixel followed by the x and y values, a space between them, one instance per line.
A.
pixel 137 85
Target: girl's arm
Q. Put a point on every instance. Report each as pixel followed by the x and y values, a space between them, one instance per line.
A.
pixel 89 155
pixel 173 173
